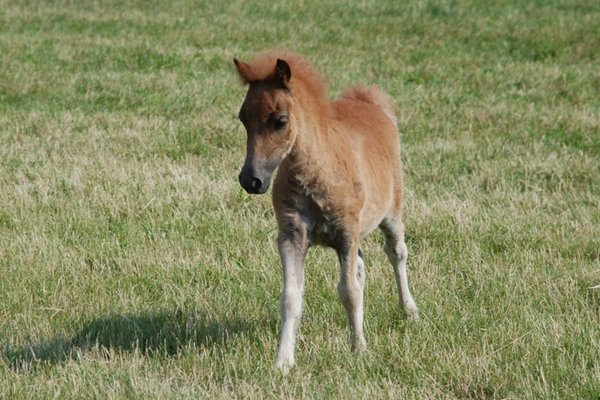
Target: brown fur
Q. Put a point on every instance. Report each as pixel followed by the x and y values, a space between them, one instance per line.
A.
pixel 339 178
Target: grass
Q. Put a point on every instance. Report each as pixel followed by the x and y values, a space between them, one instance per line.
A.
pixel 132 265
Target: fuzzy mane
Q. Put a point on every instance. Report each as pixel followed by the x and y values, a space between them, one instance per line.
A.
pixel 262 67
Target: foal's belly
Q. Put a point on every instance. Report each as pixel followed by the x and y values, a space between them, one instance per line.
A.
pixel 326 231
pixel 330 235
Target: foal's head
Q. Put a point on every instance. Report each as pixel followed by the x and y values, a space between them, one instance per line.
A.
pixel 265 114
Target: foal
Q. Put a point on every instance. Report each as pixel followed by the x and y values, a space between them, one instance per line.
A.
pixel 339 178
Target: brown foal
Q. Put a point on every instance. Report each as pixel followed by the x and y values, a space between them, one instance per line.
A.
pixel 339 178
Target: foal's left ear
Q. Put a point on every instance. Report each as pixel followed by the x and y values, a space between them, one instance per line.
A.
pixel 283 71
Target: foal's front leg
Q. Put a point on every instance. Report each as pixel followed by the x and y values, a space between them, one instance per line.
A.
pixel 350 290
pixel 293 245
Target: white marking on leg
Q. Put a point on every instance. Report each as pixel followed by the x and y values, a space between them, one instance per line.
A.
pixel 291 310
pixel 408 303
pixel 397 253
pixel 350 291
pixel 291 302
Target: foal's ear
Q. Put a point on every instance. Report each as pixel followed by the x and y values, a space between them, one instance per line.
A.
pixel 283 71
pixel 243 69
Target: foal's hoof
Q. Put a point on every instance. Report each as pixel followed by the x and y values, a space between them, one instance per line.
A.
pixel 359 347
pixel 411 311
pixel 284 365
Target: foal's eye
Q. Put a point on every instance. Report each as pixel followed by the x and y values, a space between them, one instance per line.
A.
pixel 278 122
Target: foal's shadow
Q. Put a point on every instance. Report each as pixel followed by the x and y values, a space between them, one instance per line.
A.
pixel 151 333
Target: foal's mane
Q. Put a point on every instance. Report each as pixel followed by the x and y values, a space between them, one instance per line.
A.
pixel 262 67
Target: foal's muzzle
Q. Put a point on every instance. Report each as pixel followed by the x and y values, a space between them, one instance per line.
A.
pixel 253 182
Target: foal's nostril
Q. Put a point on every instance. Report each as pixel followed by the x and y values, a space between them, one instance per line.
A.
pixel 256 184
pixel 251 183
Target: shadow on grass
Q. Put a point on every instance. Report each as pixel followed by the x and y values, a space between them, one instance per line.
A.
pixel 153 334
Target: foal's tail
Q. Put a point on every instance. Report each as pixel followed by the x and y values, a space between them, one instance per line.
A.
pixel 373 95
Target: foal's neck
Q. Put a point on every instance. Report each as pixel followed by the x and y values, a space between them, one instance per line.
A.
pixel 311 160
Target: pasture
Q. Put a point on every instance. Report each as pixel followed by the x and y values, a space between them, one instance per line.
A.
pixel 133 265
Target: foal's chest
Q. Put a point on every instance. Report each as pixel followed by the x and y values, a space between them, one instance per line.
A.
pixel 323 233
pixel 323 215
pixel 324 228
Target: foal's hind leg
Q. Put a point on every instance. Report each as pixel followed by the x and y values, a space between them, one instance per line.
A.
pixel 397 252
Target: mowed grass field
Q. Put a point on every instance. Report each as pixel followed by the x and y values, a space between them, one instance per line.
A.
pixel 132 265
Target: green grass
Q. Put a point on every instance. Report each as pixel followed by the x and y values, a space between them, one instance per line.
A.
pixel 132 265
